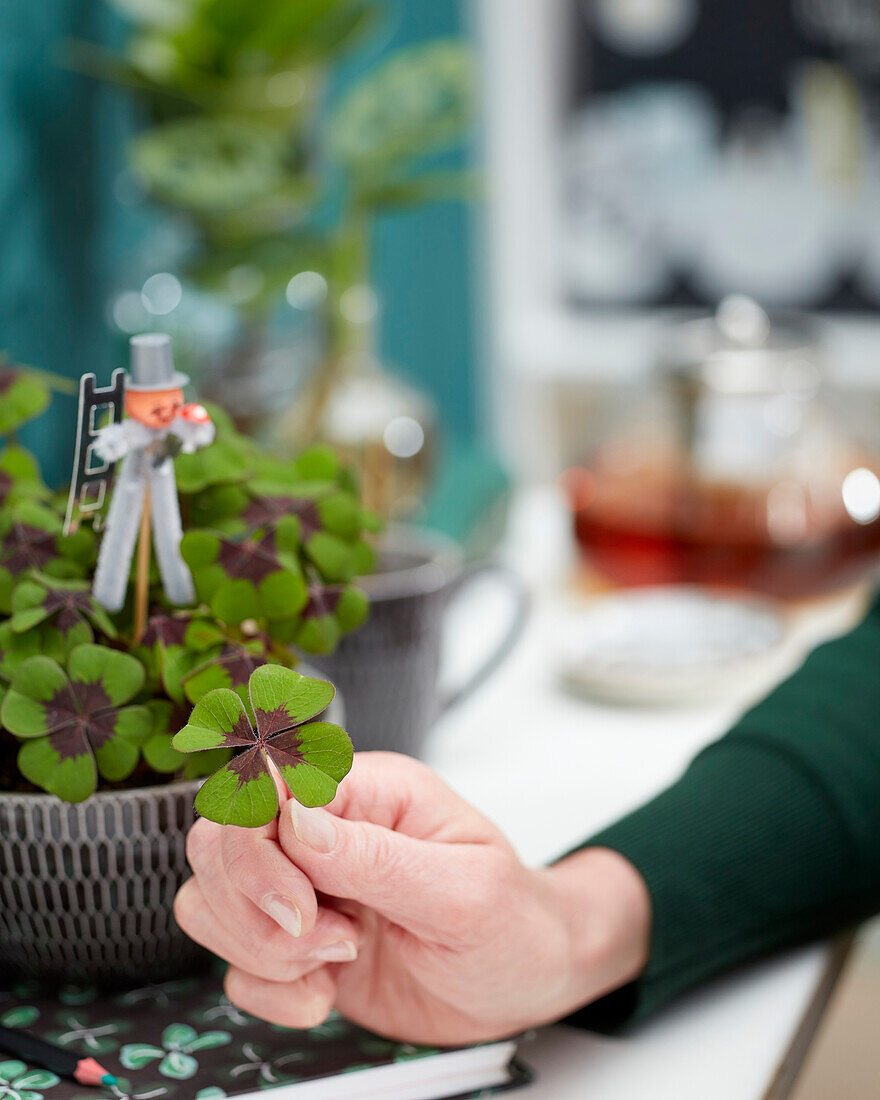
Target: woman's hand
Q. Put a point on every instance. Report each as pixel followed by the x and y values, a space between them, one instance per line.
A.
pixel 403 907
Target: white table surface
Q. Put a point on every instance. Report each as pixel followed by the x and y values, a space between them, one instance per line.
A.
pixel 598 761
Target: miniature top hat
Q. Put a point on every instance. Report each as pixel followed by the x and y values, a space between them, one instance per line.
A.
pixel 152 365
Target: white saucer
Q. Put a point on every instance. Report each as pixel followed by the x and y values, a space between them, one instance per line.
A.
pixel 670 645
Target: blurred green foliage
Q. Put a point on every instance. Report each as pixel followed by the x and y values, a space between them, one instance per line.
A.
pixel 240 142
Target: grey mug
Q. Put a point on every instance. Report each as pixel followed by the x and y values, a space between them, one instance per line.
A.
pixel 388 671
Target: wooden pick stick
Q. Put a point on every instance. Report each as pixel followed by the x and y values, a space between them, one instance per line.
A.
pixel 142 576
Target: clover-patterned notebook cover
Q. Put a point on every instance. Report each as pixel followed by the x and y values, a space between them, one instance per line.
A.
pixel 184 1040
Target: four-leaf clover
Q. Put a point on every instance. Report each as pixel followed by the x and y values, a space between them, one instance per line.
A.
pixel 179 1043
pixel 312 757
pixel 17 1082
pixel 74 724
pixel 257 576
pixel 66 607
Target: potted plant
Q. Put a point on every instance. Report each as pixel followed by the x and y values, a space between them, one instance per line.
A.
pixel 95 800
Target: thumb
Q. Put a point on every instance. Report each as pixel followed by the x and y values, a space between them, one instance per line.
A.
pixel 414 883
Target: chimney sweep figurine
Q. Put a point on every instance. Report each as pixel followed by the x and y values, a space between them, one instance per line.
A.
pixel 159 426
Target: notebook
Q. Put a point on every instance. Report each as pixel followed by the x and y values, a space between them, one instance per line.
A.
pixel 184 1040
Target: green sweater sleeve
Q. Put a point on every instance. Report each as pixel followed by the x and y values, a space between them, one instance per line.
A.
pixel 770 838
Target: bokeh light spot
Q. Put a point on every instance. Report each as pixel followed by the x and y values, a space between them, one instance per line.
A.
pixel 404 436
pixel 161 293
pixel 306 290
pixel 861 495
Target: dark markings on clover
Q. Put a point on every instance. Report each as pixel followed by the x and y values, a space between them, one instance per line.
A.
pixel 71 607
pixel 26 547
pixel 265 511
pixel 323 600
pixel 312 757
pixel 272 722
pixel 252 559
pixel 274 735
pixel 239 662
pixel 285 748
pixel 8 378
pixel 248 765
pixel 241 736
pixel 165 630
pixel 78 716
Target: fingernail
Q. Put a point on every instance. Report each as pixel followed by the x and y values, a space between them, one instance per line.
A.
pixel 344 951
pixel 313 827
pixel 283 911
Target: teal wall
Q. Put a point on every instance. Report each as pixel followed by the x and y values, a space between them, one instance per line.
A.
pixel 59 150
pixel 63 233
pixel 423 265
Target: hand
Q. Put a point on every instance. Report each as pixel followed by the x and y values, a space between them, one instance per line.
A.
pixel 409 912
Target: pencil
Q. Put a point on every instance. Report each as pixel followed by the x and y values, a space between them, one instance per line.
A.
pixel 37 1052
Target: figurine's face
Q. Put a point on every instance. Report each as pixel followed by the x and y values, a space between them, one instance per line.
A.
pixel 156 409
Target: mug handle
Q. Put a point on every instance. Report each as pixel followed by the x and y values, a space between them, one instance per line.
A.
pixel 496 657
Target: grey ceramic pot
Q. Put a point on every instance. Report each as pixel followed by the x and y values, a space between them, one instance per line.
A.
pixel 87 889
pixel 388 670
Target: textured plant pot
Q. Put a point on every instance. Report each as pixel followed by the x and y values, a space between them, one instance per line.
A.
pixel 87 889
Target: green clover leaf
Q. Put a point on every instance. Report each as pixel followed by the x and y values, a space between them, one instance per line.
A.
pixel 16 648
pixel 37 1079
pixel 220 464
pixel 330 612
pixel 20 477
pixel 23 396
pixel 138 1055
pixel 230 668
pixel 179 1066
pixel 257 577
pixel 17 1082
pixel 312 757
pixel 178 1043
pixel 173 645
pixel 168 717
pixel 66 608
pixel 32 538
pixel 74 724
pixel 20 1016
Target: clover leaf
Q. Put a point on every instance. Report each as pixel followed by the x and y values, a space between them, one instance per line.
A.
pixel 312 757
pixel 219 464
pixel 32 539
pixel 330 612
pixel 168 717
pixel 16 648
pixel 19 476
pixel 74 724
pixel 20 1083
pixel 255 577
pixel 179 1043
pixel 173 645
pixel 230 668
pixel 328 522
pixel 22 397
pixel 65 608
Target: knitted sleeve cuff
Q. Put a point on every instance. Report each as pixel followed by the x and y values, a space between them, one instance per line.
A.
pixel 744 854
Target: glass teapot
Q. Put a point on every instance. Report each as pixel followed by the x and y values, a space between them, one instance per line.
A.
pixel 737 467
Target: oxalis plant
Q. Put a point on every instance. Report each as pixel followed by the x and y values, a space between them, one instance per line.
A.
pixel 274 548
